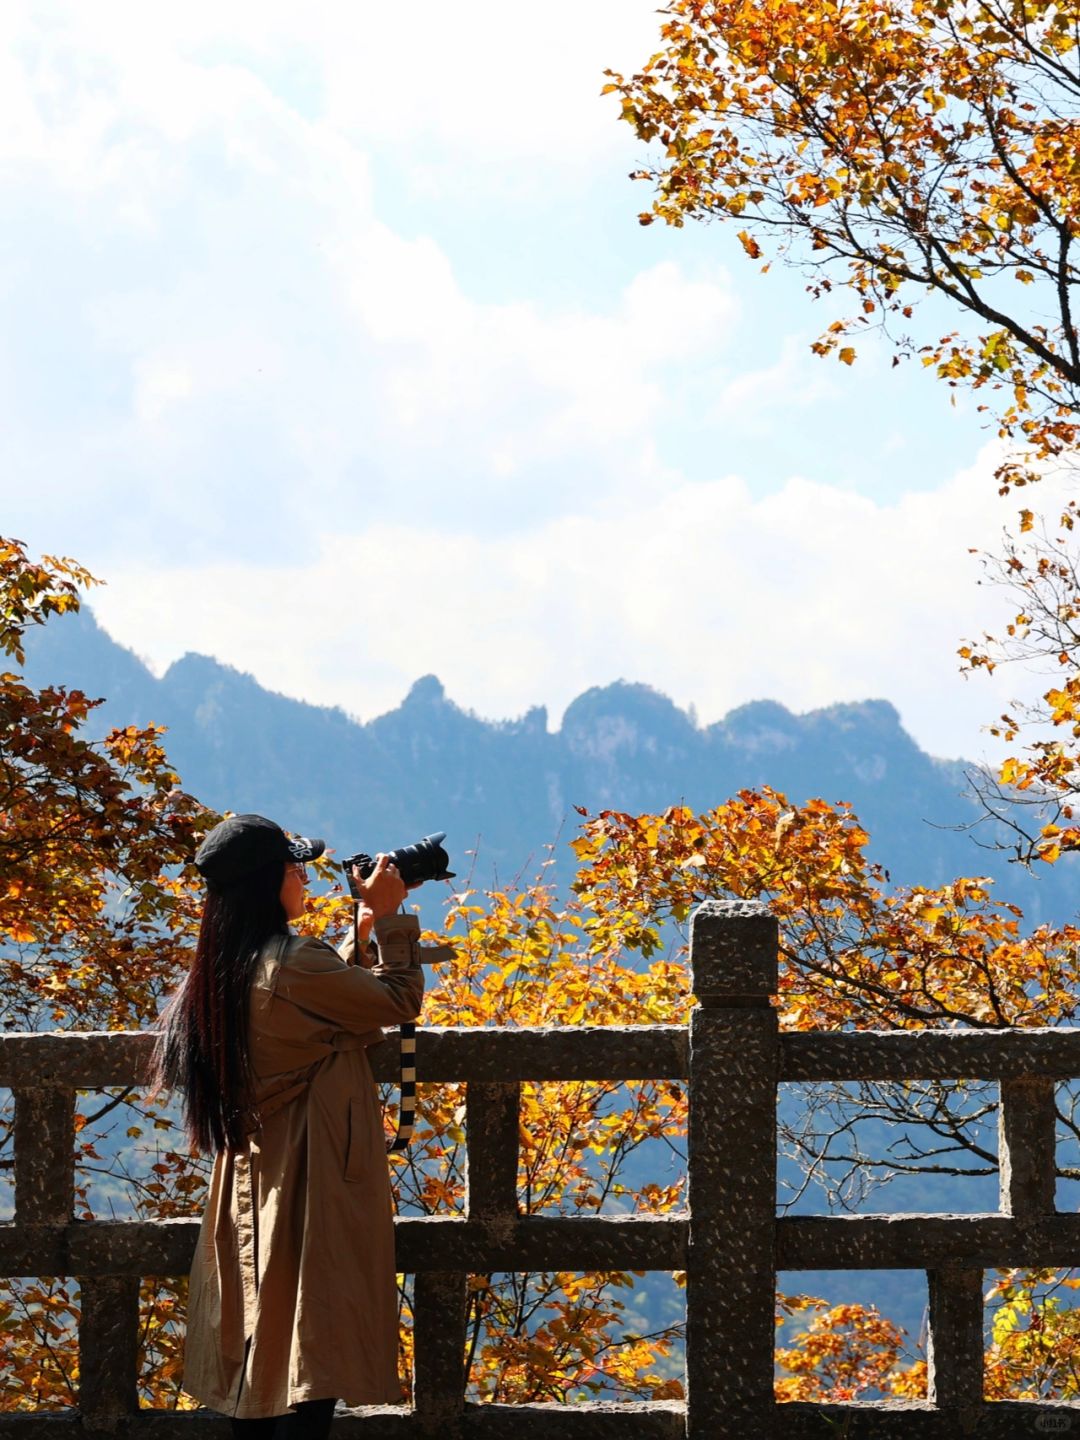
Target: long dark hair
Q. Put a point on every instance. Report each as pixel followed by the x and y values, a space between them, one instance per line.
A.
pixel 202 1047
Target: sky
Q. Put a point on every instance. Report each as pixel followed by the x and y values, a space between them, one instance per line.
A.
pixel 331 342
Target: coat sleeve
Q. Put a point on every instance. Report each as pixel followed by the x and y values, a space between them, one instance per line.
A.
pixel 316 978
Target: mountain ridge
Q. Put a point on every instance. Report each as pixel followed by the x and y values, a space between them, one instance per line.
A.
pixel 509 786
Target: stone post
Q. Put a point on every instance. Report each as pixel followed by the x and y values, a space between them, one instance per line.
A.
pixel 44 1155
pixel 108 1351
pixel 731 1275
pixel 439 1299
pixel 1027 1148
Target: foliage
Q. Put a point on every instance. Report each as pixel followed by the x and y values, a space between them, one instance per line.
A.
pixel 1035 1337
pixel 553 1336
pixel 1035 791
pixel 846 1351
pixel 95 914
pixel 38 1362
pixel 88 835
pixel 894 148
pixel 900 149
pixel 853 954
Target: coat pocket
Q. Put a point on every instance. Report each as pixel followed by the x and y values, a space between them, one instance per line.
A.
pixel 358 1156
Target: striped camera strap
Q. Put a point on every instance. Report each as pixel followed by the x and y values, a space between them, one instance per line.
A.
pixel 407 1113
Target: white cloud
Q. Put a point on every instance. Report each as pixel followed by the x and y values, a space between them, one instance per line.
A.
pixel 793 382
pixel 517 87
pixel 158 386
pixel 809 596
pixel 225 374
pixel 243 343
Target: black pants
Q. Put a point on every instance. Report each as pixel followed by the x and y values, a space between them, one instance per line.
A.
pixel 309 1421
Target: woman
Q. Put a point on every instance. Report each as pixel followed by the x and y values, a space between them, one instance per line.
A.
pixel 292 1301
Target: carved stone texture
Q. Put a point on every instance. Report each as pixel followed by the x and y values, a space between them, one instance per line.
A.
pixel 44 1157
pixel 915 1420
pixel 539 1242
pixel 491 1127
pixel 34 1250
pixel 363 1423
pixel 165 1247
pixel 90 1059
pixel 955 1349
pixel 545 1052
pixel 633 1421
pixel 80 1060
pixel 108 1350
pixel 924 1242
pixel 731 1273
pixel 1027 1147
pixel 733 953
pixel 931 1055
pixel 890 1420
pixel 439 1300
pixel 99 1247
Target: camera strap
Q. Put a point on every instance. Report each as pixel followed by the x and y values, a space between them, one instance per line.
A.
pixel 407 1075
pixel 407 1113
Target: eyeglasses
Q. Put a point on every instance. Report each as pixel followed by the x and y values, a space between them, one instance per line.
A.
pixel 300 870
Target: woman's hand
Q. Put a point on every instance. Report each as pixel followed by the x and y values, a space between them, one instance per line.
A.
pixel 383 891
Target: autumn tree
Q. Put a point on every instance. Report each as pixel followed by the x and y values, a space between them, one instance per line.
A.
pixel 855 953
pixel 899 151
pixel 1035 1337
pixel 1033 795
pixel 844 1353
pixel 895 149
pixel 90 835
pixel 94 915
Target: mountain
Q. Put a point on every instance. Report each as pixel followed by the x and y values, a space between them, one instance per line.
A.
pixel 506 789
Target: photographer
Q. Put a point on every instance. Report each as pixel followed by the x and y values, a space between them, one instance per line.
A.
pixel 292 1296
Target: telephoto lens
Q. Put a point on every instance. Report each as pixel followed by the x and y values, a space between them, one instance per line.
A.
pixel 426 860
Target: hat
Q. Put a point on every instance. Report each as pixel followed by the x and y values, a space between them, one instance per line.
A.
pixel 243 843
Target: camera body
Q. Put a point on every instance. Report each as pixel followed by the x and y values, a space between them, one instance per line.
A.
pixel 425 860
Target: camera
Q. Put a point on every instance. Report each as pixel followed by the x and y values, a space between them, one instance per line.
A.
pixel 426 860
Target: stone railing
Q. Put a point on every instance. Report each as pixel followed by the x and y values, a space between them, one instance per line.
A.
pixel 730 1243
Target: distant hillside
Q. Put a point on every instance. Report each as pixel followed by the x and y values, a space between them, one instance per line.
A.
pixel 508 787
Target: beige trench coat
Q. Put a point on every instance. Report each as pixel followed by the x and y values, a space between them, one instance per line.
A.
pixel 292 1294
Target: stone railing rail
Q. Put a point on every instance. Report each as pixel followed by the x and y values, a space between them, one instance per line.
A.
pixel 730 1242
